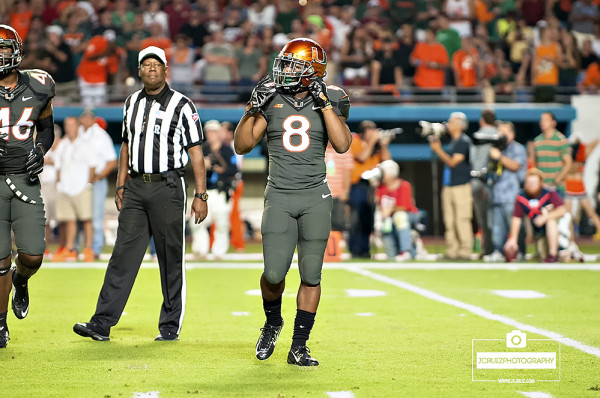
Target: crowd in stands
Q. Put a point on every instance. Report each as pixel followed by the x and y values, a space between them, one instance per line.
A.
pixel 385 46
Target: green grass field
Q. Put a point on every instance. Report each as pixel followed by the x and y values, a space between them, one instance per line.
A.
pixel 409 345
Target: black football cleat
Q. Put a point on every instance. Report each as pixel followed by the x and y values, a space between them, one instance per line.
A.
pixel 267 340
pixel 167 336
pixel 20 297
pixel 91 330
pixel 301 356
pixel 4 336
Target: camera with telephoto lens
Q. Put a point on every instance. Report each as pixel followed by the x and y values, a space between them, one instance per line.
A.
pixel 496 140
pixel 389 133
pixel 434 130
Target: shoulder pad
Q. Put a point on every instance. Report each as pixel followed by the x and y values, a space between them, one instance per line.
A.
pixel 41 81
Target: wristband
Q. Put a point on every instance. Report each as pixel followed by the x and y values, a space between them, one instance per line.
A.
pixel 121 187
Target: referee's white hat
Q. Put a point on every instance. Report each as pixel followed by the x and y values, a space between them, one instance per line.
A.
pixel 152 51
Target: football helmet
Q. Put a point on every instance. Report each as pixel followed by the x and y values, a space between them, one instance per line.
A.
pixel 299 61
pixel 11 39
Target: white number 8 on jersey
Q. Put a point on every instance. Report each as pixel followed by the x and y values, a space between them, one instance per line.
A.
pixel 289 130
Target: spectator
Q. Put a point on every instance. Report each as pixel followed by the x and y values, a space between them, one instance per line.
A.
pixel 511 164
pixel 447 36
pixel 430 60
pixel 155 15
pixel 122 16
pixel 342 26
pixel 596 38
pixel 262 14
pixel 50 12
pixel 479 155
pixel 457 199
pixel 525 70
pixel 427 11
pixel 236 6
pixel 63 71
pixel 237 239
pixel 591 81
pixel 182 64
pixel 465 63
pixel 77 34
pixel 195 30
pixel 251 63
pixel 504 82
pixel 178 12
pixel 105 24
pixel 232 27
pixel 220 163
pixel 386 70
pixel 533 11
pixel 583 16
pixel 157 39
pixel 544 208
pixel 575 192
pixel 544 71
pixel 587 55
pixel 339 173
pixel 398 212
pixel 355 56
pixel 405 48
pixel 20 18
pixel 460 13
pixel 368 149
pixel 99 60
pixel 552 153
pixel 48 188
pixel 220 63
pixel 76 162
pixel 106 162
pixel 569 70
pixel 134 36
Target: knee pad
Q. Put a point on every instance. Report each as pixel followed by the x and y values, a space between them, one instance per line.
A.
pixel 311 284
pixel 28 265
pixel 274 277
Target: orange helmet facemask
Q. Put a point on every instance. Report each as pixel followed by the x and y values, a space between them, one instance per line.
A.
pixel 9 38
pixel 298 63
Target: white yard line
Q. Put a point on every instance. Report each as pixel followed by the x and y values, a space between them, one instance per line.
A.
pixel 535 394
pixel 365 265
pixel 477 310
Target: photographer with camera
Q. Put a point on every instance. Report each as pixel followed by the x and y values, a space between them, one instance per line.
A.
pixel 221 168
pixel 398 212
pixel 480 162
pixel 457 200
pixel 369 148
pixel 511 164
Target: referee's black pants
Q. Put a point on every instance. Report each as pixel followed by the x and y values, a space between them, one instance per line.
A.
pixel 148 209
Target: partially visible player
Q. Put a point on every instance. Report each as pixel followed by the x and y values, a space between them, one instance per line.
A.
pixel 25 103
pixel 300 114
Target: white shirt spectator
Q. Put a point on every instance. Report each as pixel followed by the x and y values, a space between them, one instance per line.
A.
pixel 74 160
pixel 262 18
pixel 101 143
pixel 48 175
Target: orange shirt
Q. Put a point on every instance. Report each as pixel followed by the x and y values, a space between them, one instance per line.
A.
pixel 20 22
pixel 546 70
pixel 164 43
pixel 481 10
pixel 425 76
pixel 464 63
pixel 359 168
pixel 95 70
pixel 592 75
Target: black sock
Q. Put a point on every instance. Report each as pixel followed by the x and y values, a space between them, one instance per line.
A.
pixel 302 327
pixel 273 312
pixel 20 280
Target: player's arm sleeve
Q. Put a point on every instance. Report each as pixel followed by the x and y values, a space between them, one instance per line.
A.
pixel 192 130
pixel 45 128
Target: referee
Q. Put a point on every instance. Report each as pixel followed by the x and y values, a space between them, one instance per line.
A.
pixel 161 128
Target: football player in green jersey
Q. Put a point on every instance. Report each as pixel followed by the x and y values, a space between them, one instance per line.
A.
pixel 25 103
pixel 300 114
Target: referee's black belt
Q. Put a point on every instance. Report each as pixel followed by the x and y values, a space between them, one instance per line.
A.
pixel 147 177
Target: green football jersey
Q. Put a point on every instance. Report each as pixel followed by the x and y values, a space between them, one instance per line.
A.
pixel 297 138
pixel 20 108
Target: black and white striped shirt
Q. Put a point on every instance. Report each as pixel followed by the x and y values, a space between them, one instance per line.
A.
pixel 158 129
